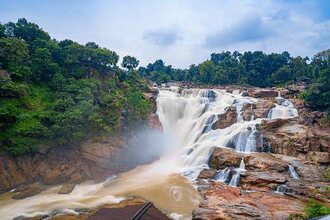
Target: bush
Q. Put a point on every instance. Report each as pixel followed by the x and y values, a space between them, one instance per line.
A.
pixel 316 209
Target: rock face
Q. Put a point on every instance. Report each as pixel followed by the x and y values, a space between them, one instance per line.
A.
pixel 290 137
pixel 226 119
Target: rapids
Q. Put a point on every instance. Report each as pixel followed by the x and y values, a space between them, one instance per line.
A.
pixel 187 117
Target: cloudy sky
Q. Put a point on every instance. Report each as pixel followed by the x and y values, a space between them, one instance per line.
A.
pixel 181 32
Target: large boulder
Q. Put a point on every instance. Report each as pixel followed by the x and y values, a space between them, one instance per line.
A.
pixel 264 162
pixel 207 174
pixel 224 157
pixel 226 119
pixel 262 179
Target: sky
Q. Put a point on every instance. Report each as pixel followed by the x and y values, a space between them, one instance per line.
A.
pixel 181 32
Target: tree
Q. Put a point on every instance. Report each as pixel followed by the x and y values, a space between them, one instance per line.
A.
pixel 130 62
pixel 13 51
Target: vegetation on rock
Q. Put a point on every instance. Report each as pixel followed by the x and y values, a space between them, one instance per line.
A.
pixel 60 93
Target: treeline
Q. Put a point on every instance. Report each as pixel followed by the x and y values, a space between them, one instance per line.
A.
pixel 254 69
pixel 61 92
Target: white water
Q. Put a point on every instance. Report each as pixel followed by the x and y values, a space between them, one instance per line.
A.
pixel 236 177
pixel 284 110
pixel 187 118
pixel 293 173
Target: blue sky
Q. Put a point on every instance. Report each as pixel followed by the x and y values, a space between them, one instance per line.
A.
pixel 181 32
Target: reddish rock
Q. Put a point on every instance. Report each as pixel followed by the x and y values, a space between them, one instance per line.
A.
pixel 225 202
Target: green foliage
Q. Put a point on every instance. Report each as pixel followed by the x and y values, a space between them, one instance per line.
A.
pixel 13 51
pixel 316 209
pixel 318 94
pixel 61 93
pixel 130 62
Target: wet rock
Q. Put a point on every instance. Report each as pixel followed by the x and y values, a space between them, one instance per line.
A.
pixel 67 188
pixel 260 109
pixel 31 190
pixel 264 162
pixel 224 157
pixel 319 157
pixel 207 174
pixel 226 119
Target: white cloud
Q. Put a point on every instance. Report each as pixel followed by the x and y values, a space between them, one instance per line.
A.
pixel 183 32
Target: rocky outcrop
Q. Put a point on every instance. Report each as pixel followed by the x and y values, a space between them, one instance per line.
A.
pixel 226 202
pixel 260 109
pixel 289 137
pixel 226 119
pixel 263 93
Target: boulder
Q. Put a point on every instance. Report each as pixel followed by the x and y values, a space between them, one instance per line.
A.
pixel 264 162
pixel 207 174
pixel 226 119
pixel 67 188
pixel 224 157
pixel 261 179
pixel 31 190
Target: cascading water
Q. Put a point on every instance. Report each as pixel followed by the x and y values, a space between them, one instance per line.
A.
pixel 187 117
pixel 293 173
pixel 236 177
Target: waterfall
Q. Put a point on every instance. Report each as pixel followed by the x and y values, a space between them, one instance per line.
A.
pixel 281 189
pixel 285 110
pixel 223 175
pixel 188 117
pixel 236 177
pixel 293 173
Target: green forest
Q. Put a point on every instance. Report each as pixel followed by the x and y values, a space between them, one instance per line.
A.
pixel 254 69
pixel 61 92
